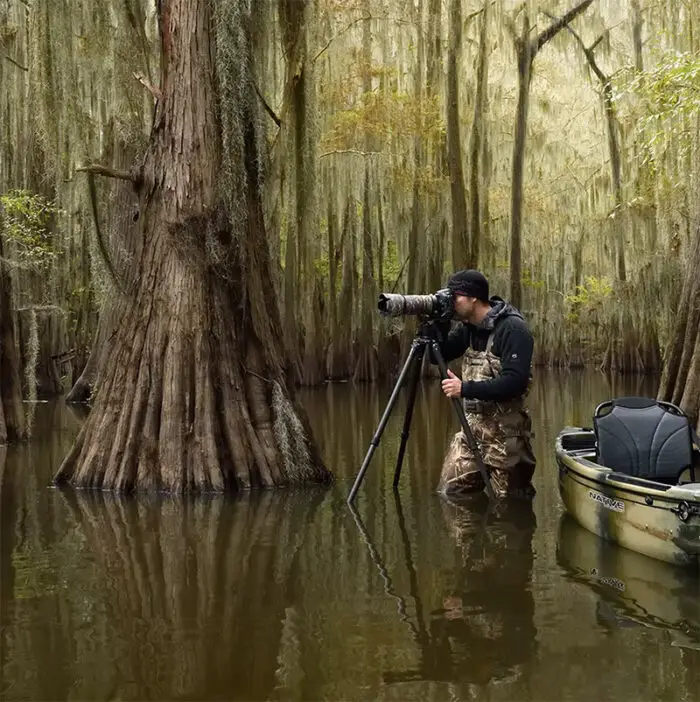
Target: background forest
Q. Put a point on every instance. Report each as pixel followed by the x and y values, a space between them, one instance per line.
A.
pixel 393 134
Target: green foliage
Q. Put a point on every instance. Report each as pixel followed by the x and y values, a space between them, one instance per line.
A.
pixel 667 96
pixel 528 281
pixel 26 221
pixel 382 115
pixel 589 298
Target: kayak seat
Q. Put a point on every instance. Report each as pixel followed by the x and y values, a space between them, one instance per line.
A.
pixel 644 438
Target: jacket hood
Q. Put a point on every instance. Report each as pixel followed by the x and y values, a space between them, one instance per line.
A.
pixel 499 310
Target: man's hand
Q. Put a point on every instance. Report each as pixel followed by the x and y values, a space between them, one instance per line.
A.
pixel 452 385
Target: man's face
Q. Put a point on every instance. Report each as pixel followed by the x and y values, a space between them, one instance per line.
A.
pixel 464 307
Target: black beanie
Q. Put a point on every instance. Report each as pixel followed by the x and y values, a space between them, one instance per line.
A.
pixel 470 283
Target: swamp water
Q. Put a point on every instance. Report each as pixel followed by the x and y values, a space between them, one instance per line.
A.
pixel 291 596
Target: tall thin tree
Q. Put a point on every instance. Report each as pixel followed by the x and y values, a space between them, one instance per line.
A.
pixel 460 236
pixel 526 49
pixel 11 413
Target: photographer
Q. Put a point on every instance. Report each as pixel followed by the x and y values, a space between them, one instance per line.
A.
pixel 497 346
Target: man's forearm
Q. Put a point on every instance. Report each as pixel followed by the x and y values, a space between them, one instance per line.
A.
pixel 505 387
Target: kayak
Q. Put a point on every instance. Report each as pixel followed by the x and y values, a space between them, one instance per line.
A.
pixel 631 479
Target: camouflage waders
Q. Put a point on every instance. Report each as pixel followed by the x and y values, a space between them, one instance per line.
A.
pixel 502 430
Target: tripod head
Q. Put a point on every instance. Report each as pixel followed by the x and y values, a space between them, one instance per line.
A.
pixel 431 329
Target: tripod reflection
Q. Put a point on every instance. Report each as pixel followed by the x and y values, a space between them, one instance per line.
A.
pixel 482 628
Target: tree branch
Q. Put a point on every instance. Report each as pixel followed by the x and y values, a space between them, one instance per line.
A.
pixel 19 65
pixel 342 31
pixel 546 34
pixel 156 92
pixel 351 151
pixel 364 18
pixel 588 51
pixel 593 46
pixel 108 172
pixel 268 109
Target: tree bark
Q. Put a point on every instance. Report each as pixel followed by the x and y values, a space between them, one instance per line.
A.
pixel 11 412
pixel 416 248
pixel 460 241
pixel 475 143
pixel 680 381
pixel 366 364
pixel 613 148
pixel 524 74
pixel 526 50
pixel 340 352
pixel 637 25
pixel 193 395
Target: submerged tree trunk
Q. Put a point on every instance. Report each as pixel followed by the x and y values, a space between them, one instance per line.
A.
pixel 680 382
pixel 11 411
pixel 366 363
pixel 193 395
pixel 119 230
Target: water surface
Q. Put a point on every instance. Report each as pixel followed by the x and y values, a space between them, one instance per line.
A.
pixel 291 596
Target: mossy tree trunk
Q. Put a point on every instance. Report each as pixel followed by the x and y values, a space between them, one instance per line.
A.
pixel 366 364
pixel 416 241
pixel 680 382
pixel 11 414
pixel 193 395
pixel 475 141
pixel 460 241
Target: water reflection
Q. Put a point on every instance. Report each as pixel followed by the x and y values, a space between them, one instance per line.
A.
pixel 483 628
pixel 633 589
pixel 165 599
pixel 287 596
pixel 488 615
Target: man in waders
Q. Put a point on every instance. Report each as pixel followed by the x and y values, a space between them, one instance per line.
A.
pixel 497 346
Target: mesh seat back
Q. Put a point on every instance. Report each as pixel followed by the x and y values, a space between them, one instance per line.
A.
pixel 643 438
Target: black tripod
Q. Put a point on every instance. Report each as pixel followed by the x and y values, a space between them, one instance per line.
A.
pixel 427 335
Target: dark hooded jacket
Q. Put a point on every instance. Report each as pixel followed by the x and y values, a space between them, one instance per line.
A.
pixel 512 343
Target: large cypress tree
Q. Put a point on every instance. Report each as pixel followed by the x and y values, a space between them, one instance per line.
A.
pixel 193 393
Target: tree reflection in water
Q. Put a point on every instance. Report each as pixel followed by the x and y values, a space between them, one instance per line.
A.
pixel 198 591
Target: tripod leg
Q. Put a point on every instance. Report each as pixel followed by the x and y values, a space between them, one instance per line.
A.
pixel 413 389
pixel 465 424
pixel 382 423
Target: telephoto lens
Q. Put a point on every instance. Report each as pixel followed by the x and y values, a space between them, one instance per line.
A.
pixel 439 305
pixel 394 305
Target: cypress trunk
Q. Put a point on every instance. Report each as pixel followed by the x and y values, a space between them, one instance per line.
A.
pixel 680 382
pixel 193 395
pixel 11 414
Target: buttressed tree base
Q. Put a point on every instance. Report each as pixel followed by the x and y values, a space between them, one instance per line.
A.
pixel 193 395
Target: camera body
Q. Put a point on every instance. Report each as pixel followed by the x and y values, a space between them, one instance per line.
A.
pixel 438 306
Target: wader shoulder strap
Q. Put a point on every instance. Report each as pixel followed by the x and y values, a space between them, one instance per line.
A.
pixel 489 342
